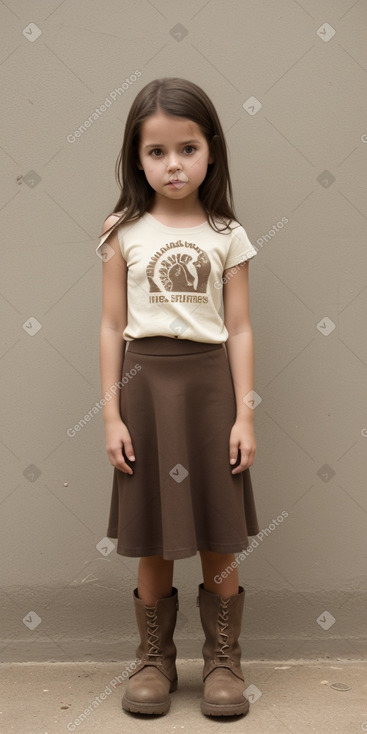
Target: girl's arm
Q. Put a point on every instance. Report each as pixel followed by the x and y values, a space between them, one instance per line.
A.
pixel 112 348
pixel 240 350
pixel 113 322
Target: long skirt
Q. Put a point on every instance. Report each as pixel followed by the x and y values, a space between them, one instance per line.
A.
pixel 178 403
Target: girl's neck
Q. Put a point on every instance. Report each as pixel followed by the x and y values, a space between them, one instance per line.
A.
pixel 180 213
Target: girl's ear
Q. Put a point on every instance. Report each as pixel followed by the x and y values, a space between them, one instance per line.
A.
pixel 139 165
pixel 211 159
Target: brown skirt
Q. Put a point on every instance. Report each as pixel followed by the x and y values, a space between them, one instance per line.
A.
pixel 178 402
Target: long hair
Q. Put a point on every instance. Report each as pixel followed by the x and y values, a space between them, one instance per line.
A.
pixel 181 98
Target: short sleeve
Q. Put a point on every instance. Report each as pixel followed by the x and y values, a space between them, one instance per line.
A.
pixel 240 248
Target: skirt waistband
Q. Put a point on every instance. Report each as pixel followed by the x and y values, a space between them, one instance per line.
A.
pixel 166 345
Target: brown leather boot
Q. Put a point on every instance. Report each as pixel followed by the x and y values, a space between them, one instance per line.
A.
pixel 156 675
pixel 222 674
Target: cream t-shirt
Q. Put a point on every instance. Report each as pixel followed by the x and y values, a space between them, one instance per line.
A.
pixel 175 277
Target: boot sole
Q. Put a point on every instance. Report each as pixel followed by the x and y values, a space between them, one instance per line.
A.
pixel 145 708
pixel 234 709
pixel 136 707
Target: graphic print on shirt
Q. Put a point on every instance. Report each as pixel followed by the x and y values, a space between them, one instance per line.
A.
pixel 179 268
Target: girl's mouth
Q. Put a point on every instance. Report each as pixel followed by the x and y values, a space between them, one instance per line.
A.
pixel 176 184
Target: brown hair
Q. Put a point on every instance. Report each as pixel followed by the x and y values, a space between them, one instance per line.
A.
pixel 182 98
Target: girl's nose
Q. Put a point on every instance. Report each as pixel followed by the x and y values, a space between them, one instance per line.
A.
pixel 173 163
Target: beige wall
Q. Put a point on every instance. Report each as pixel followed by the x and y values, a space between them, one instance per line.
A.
pixel 300 161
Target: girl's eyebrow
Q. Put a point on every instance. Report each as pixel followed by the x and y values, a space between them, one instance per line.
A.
pixel 161 145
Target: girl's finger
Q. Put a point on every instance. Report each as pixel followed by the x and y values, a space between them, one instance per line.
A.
pixel 120 461
pixel 244 463
pixel 123 466
pixel 235 457
pixel 234 452
pixel 129 451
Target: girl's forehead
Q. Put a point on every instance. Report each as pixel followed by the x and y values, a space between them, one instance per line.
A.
pixel 169 126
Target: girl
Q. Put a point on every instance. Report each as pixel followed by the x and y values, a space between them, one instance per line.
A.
pixel 180 431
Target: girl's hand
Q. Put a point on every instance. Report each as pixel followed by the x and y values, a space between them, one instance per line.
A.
pixel 242 445
pixel 118 440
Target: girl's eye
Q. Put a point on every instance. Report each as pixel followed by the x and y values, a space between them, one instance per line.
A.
pixel 156 152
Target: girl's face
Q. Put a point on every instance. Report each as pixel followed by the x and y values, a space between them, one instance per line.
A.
pixel 174 155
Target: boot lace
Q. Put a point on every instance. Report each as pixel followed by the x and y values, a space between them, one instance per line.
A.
pixel 152 629
pixel 221 644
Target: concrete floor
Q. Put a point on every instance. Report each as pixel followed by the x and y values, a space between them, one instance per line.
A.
pixel 290 696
